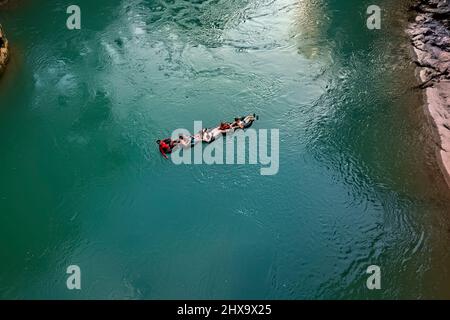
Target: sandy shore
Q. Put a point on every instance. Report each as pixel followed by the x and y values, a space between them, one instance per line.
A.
pixel 430 38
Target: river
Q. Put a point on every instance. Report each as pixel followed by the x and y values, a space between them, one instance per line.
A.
pixel 83 183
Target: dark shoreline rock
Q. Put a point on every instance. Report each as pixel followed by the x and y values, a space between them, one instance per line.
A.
pixel 430 38
pixel 4 50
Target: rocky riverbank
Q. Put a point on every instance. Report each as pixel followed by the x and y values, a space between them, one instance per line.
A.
pixel 4 50
pixel 430 38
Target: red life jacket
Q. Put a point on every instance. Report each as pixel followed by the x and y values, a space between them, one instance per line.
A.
pixel 164 146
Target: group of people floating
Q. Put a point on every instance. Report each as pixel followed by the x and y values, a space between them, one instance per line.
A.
pixel 168 145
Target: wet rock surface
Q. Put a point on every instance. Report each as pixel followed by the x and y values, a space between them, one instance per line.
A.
pixel 430 38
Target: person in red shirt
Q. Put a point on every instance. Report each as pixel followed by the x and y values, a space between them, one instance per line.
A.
pixel 224 126
pixel 166 146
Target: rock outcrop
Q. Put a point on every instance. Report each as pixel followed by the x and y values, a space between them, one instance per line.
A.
pixel 430 38
pixel 4 50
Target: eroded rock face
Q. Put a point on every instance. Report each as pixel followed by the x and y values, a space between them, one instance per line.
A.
pixel 4 50
pixel 430 35
pixel 430 38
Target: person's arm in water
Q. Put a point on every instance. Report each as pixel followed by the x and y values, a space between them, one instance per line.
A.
pixel 161 149
pixel 239 124
pixel 183 143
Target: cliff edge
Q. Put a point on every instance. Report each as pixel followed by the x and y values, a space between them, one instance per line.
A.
pixel 430 38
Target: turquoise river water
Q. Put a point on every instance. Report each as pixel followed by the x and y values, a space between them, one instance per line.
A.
pixel 82 182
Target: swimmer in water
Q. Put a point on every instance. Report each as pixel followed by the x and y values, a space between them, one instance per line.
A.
pixel 184 141
pixel 243 122
pixel 166 146
pixel 207 136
